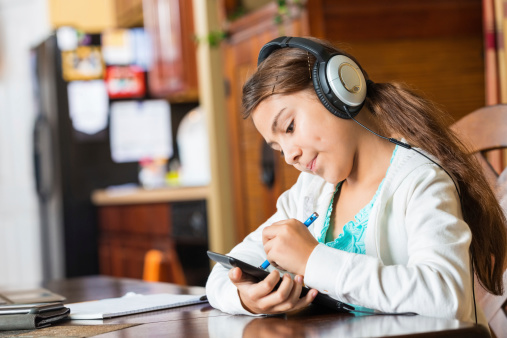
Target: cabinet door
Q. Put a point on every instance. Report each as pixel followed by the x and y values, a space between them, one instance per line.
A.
pixel 174 71
pixel 129 13
pixel 178 229
pixel 127 232
pixel 255 201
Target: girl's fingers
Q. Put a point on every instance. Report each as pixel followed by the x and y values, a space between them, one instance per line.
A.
pixel 237 276
pixel 256 291
pixel 306 300
pixel 280 296
pixel 265 287
pixel 264 299
pixel 293 302
pixel 296 290
pixel 269 232
pixel 267 246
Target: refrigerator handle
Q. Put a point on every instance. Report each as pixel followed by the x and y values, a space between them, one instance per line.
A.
pixel 41 128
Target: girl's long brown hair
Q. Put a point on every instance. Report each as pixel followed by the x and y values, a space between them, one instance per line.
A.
pixel 401 112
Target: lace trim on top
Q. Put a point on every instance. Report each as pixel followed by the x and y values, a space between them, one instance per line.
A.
pixel 352 238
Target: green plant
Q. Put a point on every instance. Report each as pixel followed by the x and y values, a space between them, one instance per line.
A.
pixel 283 9
pixel 213 38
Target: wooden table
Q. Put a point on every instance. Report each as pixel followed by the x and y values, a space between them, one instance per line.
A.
pixel 204 321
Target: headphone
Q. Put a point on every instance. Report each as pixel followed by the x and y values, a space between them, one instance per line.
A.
pixel 338 80
pixel 341 87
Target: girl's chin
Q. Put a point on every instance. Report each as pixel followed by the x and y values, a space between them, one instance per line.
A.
pixel 332 180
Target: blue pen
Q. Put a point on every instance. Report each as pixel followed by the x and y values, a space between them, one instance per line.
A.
pixel 308 222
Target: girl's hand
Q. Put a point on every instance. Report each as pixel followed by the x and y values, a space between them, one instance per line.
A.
pixel 260 298
pixel 288 244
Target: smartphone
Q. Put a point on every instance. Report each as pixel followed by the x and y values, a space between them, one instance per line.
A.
pixel 231 262
pixel 12 309
pixel 259 274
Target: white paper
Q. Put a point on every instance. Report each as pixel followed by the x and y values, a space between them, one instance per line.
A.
pixel 142 48
pixel 140 129
pixel 66 38
pixel 129 304
pixel 117 47
pixel 88 105
pixel 192 139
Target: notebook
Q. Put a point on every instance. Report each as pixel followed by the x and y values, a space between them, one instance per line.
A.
pixel 131 303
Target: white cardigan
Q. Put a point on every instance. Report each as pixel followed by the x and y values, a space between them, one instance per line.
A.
pixel 416 243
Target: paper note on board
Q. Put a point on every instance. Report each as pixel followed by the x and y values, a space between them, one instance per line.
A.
pixel 88 105
pixel 140 129
pixel 117 47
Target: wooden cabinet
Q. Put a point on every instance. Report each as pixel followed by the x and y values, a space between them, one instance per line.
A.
pixel 129 229
pixel 129 13
pixel 254 200
pixel 91 16
pixel 95 16
pixel 433 46
pixel 173 74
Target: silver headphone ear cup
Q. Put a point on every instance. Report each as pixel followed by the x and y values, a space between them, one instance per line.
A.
pixel 346 80
pixel 316 77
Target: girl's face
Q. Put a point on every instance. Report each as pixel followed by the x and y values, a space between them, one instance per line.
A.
pixel 308 135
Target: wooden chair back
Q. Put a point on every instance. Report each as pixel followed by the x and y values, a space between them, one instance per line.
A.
pixel 163 267
pixel 483 130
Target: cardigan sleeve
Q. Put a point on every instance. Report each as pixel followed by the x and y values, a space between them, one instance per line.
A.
pixel 221 292
pixel 434 281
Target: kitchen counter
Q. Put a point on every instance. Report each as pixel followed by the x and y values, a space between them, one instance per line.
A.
pixel 138 195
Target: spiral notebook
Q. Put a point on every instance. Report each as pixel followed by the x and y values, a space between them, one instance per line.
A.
pixel 129 304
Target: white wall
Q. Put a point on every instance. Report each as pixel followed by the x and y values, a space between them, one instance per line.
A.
pixel 23 23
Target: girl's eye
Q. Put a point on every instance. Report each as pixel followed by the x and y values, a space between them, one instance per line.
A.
pixel 290 128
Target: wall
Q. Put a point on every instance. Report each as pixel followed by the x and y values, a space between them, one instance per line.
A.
pixel 434 46
pixel 22 24
pixel 92 16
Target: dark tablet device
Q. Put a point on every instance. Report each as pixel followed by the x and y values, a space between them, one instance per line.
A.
pixel 29 296
pixel 28 308
pixel 259 274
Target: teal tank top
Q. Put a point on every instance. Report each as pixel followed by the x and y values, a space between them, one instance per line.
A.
pixel 352 238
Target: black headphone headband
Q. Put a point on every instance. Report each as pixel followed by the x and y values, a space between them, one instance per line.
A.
pixel 316 49
pixel 338 81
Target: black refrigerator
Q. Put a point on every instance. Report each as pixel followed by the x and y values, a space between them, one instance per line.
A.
pixel 68 166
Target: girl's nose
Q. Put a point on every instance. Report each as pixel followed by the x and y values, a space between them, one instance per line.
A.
pixel 292 155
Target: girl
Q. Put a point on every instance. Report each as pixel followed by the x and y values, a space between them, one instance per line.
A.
pixel 392 234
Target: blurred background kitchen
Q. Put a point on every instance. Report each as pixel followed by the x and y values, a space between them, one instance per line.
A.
pixel 122 148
